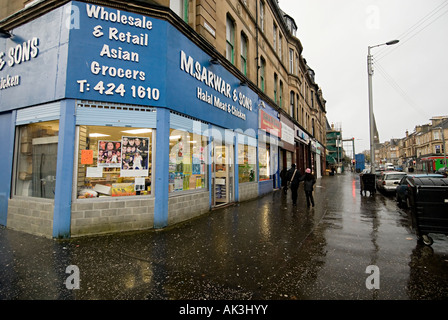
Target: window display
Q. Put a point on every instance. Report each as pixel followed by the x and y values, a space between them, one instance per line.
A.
pixel 247 163
pixel 264 161
pixel 37 160
pixel 187 164
pixel 114 161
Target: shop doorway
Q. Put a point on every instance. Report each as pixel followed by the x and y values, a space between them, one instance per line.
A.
pixel 222 173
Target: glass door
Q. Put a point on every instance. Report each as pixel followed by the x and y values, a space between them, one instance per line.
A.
pixel 222 173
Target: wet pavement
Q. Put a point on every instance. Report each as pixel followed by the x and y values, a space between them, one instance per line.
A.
pixel 264 249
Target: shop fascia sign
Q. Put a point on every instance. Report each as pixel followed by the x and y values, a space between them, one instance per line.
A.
pixel 319 148
pixel 118 65
pixel 287 133
pixel 269 124
pixel 313 146
pixel 214 90
pixel 13 56
pixel 302 136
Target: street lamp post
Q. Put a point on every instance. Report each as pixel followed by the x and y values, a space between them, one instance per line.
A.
pixel 371 121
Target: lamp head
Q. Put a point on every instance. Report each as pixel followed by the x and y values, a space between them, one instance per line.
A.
pixel 392 42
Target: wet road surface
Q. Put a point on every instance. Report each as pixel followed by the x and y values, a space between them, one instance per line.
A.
pixel 264 249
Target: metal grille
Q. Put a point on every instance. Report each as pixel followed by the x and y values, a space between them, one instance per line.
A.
pixel 114 114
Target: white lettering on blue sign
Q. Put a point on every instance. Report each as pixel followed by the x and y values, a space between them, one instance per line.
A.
pixel 9 81
pixel 20 53
pixel 16 55
pixel 108 50
pixel 118 17
pixel 212 80
pixel 119 54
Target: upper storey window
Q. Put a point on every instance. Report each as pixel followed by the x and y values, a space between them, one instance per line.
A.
pixel 180 7
pixel 230 39
pixel 243 53
pixel 291 25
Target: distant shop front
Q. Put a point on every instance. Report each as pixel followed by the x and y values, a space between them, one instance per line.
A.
pixel 287 145
pixel 269 135
pixel 302 145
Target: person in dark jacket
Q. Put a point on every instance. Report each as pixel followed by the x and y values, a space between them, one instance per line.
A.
pixel 294 179
pixel 283 177
pixel 308 185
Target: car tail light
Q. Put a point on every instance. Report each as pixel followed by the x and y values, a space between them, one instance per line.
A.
pixel 384 183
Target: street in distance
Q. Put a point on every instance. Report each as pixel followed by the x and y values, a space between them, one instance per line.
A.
pixel 239 309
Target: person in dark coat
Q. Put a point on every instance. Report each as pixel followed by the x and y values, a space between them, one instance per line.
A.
pixel 308 185
pixel 283 176
pixel 294 178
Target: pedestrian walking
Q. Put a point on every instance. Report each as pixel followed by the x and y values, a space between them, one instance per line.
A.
pixel 308 185
pixel 284 177
pixel 294 180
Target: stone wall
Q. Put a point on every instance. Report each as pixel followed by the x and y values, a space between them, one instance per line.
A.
pixel 111 215
pixel 248 191
pixel 187 206
pixel 31 215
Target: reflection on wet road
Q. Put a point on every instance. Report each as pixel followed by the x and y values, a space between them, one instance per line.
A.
pixel 261 249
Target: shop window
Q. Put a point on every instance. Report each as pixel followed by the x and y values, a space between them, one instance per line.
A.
pixel 264 164
pixel 114 161
pixel 247 163
pixel 37 159
pixel 187 161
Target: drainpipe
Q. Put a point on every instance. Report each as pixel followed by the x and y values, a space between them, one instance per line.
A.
pixel 256 37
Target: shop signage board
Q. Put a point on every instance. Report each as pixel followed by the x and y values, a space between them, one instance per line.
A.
pixel 204 89
pixel 116 56
pixel 33 61
pixel 134 59
pixel 270 124
pixel 301 135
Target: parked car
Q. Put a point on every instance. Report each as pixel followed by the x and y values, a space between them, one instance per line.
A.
pixel 390 180
pixel 378 178
pixel 403 187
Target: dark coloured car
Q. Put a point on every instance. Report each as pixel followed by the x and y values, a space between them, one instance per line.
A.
pixel 404 185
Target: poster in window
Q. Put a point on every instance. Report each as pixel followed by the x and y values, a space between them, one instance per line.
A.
pixel 86 156
pixel 134 155
pixel 109 154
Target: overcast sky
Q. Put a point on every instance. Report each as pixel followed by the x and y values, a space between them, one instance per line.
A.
pixel 410 82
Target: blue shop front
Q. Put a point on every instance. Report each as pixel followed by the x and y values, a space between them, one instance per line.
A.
pixel 115 121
